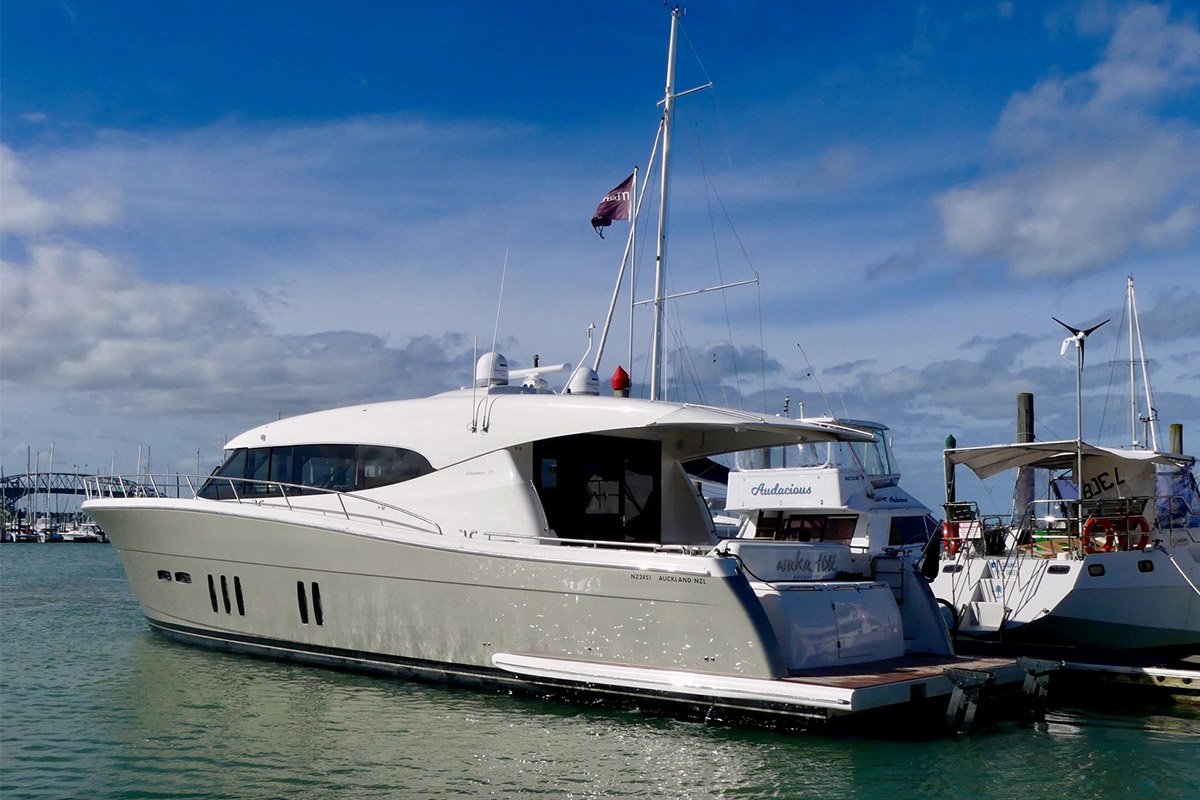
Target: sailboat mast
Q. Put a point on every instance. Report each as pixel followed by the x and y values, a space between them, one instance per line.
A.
pixel 1151 415
pixel 1133 398
pixel 661 249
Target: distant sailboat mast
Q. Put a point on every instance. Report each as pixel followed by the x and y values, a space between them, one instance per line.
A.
pixel 1150 421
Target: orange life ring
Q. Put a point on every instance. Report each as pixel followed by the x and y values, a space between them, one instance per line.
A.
pixel 951 541
pixel 1141 524
pixel 1089 530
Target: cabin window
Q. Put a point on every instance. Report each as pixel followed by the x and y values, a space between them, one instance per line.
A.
pixel 600 487
pixel 379 466
pixel 256 472
pixel 220 486
pixel 281 466
pixel 324 466
pixel 339 467
pixel 806 527
pixel 910 529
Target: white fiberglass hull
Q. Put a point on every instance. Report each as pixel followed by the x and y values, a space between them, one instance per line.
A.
pixel 464 609
pixel 1120 601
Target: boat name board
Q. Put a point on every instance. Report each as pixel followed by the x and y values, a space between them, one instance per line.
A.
pixel 808 565
pixel 778 488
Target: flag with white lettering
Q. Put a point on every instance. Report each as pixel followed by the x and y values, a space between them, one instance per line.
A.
pixel 617 204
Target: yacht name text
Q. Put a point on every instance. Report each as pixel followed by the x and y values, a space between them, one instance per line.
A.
pixel 824 562
pixel 779 488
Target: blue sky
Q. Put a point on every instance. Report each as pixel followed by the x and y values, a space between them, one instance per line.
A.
pixel 212 214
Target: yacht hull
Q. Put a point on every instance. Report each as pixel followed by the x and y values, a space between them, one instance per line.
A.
pixel 682 631
pixel 1115 601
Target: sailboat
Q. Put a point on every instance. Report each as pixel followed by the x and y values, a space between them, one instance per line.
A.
pixel 1108 558
pixel 508 536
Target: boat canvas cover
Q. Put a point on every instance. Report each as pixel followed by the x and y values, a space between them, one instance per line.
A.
pixel 1178 497
pixel 1108 473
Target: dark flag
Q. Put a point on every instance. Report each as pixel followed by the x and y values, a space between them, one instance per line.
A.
pixel 615 205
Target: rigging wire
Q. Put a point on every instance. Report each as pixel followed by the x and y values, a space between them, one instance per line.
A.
pixel 724 140
pixel 709 191
pixel 817 381
pixel 1112 374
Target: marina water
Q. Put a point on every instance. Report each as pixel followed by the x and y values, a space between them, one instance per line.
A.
pixel 93 705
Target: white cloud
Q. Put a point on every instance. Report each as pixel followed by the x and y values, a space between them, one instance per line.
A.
pixel 23 212
pixel 1091 171
pixel 75 320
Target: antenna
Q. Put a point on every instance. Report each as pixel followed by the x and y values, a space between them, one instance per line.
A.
pixel 591 327
pixel 474 408
pixel 499 302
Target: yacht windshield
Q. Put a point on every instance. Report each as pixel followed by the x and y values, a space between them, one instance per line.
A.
pixel 873 458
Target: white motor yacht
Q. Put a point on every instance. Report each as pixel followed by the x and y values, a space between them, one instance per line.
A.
pixel 846 492
pixel 524 539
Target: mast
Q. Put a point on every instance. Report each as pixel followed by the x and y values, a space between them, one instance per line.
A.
pixel 665 174
pixel 1151 418
pixel 1133 398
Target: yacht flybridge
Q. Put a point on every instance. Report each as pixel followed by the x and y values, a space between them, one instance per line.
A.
pixel 510 536
pixel 839 491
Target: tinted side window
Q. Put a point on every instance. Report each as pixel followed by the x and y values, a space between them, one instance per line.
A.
pixel 256 470
pixel 234 467
pixel 340 467
pixel 906 530
pixel 379 466
pixel 281 466
pixel 324 466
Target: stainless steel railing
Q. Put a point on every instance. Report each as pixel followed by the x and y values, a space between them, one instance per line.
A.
pixel 293 497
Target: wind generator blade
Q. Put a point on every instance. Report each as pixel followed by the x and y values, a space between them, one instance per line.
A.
pixel 1079 337
pixel 1075 331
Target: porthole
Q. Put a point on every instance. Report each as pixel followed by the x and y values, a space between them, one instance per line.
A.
pixel 183 577
pixel 1059 569
pixel 1095 570
pixel 163 575
pixel 1145 565
pixel 952 568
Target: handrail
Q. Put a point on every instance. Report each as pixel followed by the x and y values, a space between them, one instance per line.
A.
pixel 105 486
pixel 653 547
pixel 1066 519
